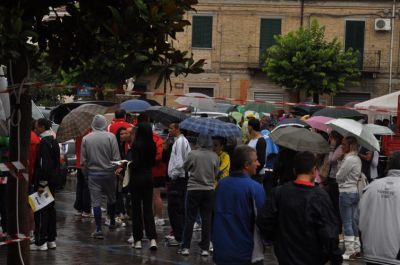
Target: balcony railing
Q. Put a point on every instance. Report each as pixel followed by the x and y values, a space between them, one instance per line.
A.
pixel 371 61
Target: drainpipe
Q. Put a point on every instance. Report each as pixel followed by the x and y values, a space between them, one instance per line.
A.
pixel 302 13
pixel 391 47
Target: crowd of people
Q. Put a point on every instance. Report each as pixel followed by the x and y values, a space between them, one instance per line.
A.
pixel 245 193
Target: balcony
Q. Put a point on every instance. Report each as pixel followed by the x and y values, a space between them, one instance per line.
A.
pixel 371 61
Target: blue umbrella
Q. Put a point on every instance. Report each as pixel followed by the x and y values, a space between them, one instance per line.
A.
pixel 135 105
pixel 211 127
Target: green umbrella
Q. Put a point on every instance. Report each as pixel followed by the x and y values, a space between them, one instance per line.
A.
pixel 260 107
pixel 236 115
pixel 300 139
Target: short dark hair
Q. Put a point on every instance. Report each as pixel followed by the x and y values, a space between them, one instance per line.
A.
pixel 241 156
pixel 394 161
pixel 175 124
pixel 304 162
pixel 120 114
pixel 42 122
pixel 255 124
pixel 143 118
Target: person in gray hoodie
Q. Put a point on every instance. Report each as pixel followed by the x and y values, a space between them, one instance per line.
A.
pixel 379 219
pixel 99 149
pixel 203 167
pixel 347 176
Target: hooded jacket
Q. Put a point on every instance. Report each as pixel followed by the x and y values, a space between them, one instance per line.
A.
pixel 380 220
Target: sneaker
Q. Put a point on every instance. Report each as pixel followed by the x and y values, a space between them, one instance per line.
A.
pixel 205 253
pixel 35 247
pixel 120 222
pixel 107 222
pixel 153 244
pixel 184 252
pixel 103 210
pixel 130 239
pixel 211 248
pixel 137 245
pixel 51 245
pixel 348 256
pixel 173 242
pixel 78 213
pixel 98 235
pixel 86 215
pixel 356 255
pixel 196 227
pixel 159 221
pixel 169 237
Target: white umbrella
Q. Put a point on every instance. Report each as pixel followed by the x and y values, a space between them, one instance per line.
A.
pixel 197 100
pixel 347 127
pixel 378 129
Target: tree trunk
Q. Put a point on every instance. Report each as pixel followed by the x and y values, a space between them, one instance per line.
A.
pixel 19 190
pixel 316 98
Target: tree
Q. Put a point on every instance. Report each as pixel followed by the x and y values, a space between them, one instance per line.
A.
pixel 99 42
pixel 304 60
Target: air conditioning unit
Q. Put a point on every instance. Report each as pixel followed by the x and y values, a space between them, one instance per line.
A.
pixel 383 24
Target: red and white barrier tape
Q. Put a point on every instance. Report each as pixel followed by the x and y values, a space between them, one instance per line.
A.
pixel 117 91
pixel 20 238
pixel 15 168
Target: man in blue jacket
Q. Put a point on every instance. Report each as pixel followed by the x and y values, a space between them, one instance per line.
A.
pixel 238 198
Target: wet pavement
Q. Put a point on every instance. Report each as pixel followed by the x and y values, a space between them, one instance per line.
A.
pixel 76 247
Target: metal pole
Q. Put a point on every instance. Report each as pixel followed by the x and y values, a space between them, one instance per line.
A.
pixel 302 13
pixel 391 47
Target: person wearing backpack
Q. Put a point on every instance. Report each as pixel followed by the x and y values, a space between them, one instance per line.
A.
pixel 47 169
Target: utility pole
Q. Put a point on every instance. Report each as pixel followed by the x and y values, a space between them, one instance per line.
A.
pixel 391 47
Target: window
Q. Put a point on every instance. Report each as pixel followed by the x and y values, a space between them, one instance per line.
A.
pixel 271 97
pixel 355 38
pixel 268 29
pixel 209 91
pixel 202 31
pixel 342 99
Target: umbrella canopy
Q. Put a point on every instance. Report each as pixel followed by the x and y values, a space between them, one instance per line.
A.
pixel 290 122
pixel 165 115
pixel 152 102
pixel 135 105
pixel 197 100
pixel 236 115
pixel 300 139
pixel 339 113
pixel 319 123
pixel 305 110
pixel 260 107
pixel 227 119
pixel 211 127
pixel 378 129
pixel 348 127
pixel 77 122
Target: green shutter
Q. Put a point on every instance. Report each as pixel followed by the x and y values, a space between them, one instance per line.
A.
pixel 202 31
pixel 355 31
pixel 268 29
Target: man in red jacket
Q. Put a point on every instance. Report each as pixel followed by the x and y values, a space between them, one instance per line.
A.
pixel 119 122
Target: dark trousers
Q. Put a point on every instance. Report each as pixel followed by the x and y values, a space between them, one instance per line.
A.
pixel 3 207
pixel 82 199
pixel 143 197
pixel 332 189
pixel 176 193
pixel 268 183
pixel 45 224
pixel 203 201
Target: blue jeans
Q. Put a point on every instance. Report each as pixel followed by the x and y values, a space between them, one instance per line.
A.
pixel 348 202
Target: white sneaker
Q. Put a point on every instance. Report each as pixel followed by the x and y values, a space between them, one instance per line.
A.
pixel 196 227
pixel 153 244
pixel 86 215
pixel 205 253
pixel 159 221
pixel 184 252
pixel 137 245
pixel 130 239
pixel 169 237
pixel 51 244
pixel 211 248
pixel 173 242
pixel 107 222
pixel 35 247
pixel 78 213
pixel 119 222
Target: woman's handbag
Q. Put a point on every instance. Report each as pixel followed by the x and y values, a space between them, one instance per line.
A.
pixel 362 182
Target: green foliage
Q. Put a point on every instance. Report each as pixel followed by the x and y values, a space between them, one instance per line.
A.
pixel 101 42
pixel 304 60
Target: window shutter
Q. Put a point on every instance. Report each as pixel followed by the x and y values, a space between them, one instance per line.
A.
pixel 268 29
pixel 202 31
pixel 355 31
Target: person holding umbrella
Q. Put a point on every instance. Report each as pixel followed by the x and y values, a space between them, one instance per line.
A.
pixel 349 172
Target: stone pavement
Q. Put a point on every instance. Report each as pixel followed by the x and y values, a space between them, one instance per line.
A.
pixel 75 247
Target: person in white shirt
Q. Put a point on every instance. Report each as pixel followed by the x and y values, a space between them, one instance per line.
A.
pixel 176 191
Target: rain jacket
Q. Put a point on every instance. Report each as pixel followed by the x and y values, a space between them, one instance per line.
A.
pixel 302 223
pixel 234 219
pixel 179 154
pixel 118 123
pixel 349 172
pixel 380 220
pixel 160 168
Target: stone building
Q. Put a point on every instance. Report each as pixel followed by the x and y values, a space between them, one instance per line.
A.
pixel 233 34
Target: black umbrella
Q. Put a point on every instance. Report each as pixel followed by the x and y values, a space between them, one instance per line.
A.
pixel 150 101
pixel 305 110
pixel 165 115
pixel 339 113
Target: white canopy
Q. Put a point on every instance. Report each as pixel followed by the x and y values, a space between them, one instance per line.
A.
pixel 378 106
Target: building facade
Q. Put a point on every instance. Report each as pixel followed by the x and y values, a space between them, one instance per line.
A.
pixel 232 36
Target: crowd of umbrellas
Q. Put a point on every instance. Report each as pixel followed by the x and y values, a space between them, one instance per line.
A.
pixel 293 133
